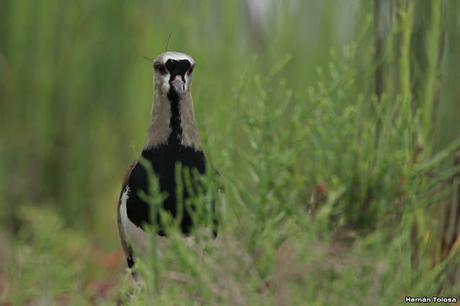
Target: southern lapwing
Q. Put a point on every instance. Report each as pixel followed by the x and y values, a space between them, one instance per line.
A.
pixel 172 138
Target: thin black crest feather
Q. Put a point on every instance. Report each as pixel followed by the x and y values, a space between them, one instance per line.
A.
pixel 150 59
pixel 167 42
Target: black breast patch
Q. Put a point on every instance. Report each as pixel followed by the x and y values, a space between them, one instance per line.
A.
pixel 163 160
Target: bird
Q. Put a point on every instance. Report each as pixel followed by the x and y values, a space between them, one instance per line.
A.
pixel 172 138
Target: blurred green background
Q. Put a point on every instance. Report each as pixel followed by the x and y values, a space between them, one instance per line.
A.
pixel 76 90
pixel 284 92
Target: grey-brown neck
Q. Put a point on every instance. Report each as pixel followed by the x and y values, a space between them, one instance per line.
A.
pixel 160 124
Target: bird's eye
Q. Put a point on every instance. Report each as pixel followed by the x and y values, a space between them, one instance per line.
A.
pixel 160 68
pixel 190 70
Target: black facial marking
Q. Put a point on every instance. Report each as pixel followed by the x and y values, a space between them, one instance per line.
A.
pixel 179 67
pixel 175 68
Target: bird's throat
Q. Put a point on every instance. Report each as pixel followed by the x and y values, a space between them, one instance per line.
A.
pixel 175 135
pixel 173 122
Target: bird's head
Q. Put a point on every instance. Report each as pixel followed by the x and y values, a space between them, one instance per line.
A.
pixel 173 74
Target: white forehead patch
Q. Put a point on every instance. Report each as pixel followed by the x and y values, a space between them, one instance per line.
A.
pixel 164 57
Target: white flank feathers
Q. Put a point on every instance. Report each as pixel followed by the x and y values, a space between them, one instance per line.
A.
pixel 135 236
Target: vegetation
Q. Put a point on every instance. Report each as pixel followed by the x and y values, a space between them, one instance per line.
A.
pixel 333 124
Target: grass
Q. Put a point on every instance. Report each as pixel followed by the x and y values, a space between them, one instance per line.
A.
pixel 333 196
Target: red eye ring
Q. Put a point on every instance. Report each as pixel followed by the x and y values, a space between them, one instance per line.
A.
pixel 190 70
pixel 160 68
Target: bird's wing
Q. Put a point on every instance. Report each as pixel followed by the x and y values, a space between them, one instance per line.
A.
pixel 124 243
